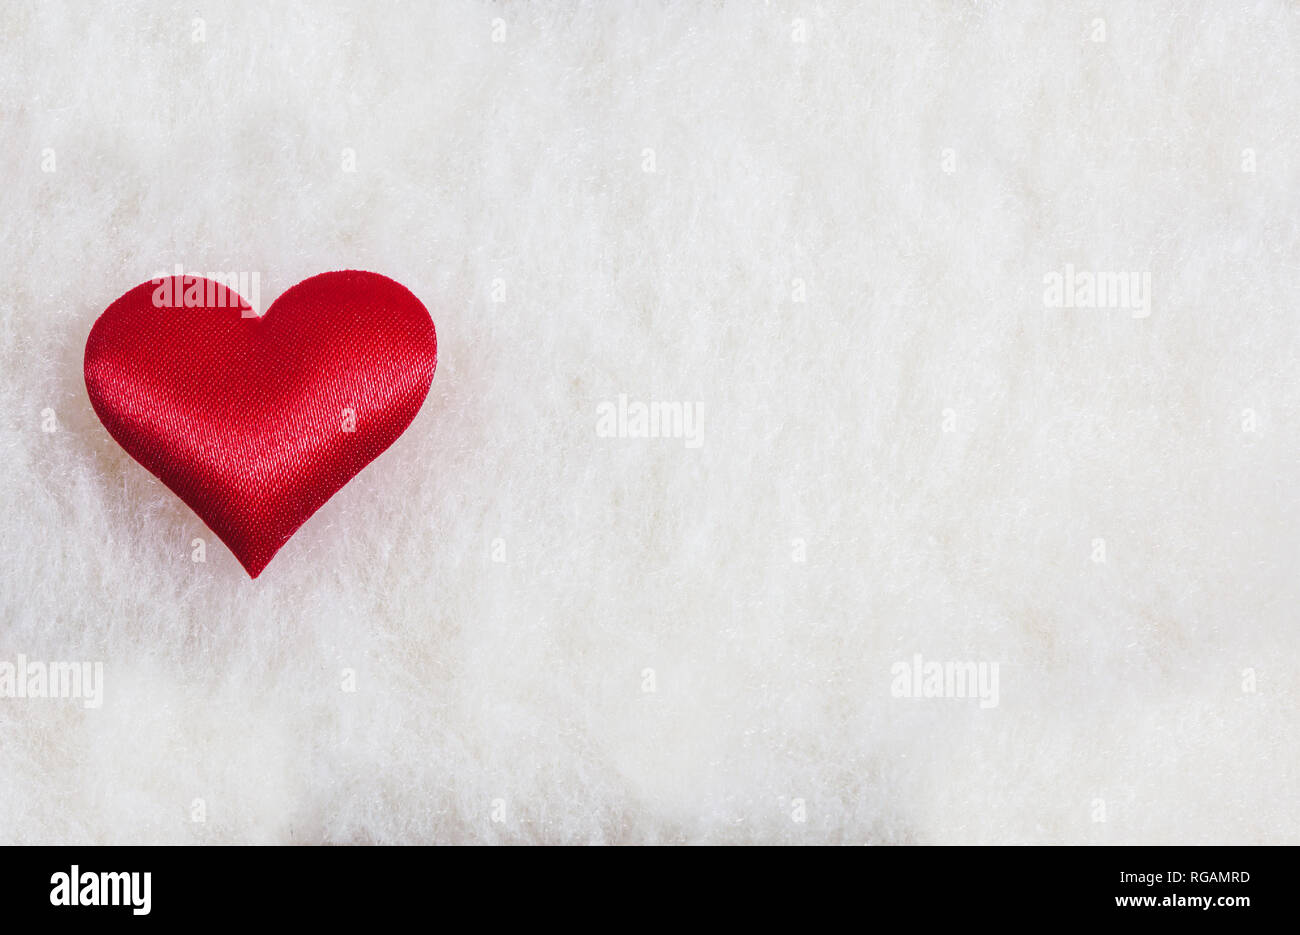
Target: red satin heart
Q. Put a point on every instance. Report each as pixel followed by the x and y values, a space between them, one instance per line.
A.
pixel 256 422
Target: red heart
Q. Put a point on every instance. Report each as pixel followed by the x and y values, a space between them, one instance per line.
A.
pixel 256 422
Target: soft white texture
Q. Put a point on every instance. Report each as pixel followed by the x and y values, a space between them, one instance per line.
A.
pixel 784 169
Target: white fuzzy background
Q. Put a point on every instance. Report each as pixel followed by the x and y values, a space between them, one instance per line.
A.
pixel 783 170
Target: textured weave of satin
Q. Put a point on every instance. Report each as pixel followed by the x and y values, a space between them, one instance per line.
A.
pixel 255 422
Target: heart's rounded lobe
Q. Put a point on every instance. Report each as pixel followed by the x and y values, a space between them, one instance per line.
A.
pixel 254 421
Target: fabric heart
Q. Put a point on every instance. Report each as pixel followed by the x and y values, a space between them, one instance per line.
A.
pixel 256 421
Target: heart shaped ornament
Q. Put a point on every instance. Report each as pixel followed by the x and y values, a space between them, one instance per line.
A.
pixel 255 421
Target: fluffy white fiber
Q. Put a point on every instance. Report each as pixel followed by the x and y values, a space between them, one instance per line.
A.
pixel 831 226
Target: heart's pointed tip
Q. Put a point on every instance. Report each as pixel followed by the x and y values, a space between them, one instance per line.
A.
pixel 251 557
